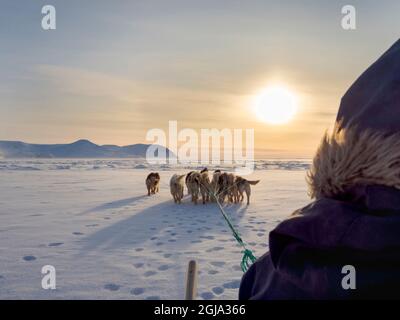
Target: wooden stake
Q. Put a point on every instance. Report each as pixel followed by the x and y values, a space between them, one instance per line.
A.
pixel 191 281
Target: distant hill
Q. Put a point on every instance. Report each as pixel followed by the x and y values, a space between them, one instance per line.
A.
pixel 78 149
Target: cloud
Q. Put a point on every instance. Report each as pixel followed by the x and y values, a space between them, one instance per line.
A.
pixel 88 83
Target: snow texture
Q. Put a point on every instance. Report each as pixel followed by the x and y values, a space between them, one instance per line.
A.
pixel 92 220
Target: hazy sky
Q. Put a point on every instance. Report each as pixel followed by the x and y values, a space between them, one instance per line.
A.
pixel 114 69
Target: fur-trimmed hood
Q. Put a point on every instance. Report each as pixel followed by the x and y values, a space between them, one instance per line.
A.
pixel 364 148
pixel 350 157
pixel 355 221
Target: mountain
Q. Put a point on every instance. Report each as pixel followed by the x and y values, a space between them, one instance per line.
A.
pixel 78 149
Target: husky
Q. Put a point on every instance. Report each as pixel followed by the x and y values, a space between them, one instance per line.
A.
pixel 214 187
pixel 187 179
pixel 227 188
pixel 243 185
pixel 176 185
pixel 193 184
pixel 205 185
pixel 153 183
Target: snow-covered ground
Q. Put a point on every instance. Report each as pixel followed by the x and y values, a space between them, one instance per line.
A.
pixel 93 221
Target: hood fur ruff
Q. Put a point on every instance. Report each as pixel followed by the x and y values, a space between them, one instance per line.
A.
pixel 348 157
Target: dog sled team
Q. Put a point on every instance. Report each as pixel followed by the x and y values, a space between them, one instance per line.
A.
pixel 224 186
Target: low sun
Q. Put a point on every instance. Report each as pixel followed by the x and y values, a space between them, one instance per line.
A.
pixel 275 105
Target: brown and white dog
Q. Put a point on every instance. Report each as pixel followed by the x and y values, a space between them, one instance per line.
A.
pixel 176 185
pixel 153 183
pixel 193 184
pixel 243 185
pixel 215 182
pixel 227 188
pixel 187 179
pixel 205 185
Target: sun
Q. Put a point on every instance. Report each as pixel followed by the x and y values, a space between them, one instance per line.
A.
pixel 275 105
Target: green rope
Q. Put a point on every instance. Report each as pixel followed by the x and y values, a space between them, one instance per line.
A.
pixel 248 256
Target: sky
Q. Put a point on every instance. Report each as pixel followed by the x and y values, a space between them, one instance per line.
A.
pixel 112 70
